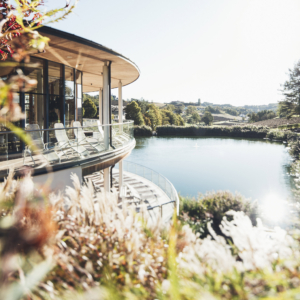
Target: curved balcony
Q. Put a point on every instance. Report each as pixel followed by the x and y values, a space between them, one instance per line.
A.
pixel 80 149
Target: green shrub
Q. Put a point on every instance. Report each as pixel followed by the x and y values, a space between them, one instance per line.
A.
pixel 142 130
pixel 230 131
pixel 212 208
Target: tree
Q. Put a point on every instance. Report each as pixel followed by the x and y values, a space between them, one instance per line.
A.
pixel 213 110
pixel 291 91
pixel 94 99
pixel 207 118
pixel 180 120
pixel 133 112
pixel 190 110
pixel 261 115
pixel 179 109
pixel 285 109
pixel 154 114
pixel 195 117
pixel 90 108
pixel 169 118
pixel 170 107
pixel 143 105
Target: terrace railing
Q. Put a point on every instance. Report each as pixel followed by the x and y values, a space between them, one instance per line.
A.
pixel 46 150
pixel 156 178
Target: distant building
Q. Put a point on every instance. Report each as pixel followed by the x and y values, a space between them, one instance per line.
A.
pixel 199 101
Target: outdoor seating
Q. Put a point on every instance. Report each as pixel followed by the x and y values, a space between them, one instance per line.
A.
pixel 39 147
pixel 115 140
pixel 82 139
pixel 65 144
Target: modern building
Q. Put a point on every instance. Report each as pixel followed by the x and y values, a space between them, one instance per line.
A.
pixel 69 67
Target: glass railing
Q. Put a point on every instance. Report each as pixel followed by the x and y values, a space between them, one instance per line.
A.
pixel 161 181
pixel 61 144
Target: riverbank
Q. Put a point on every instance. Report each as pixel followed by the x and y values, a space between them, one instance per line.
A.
pixel 249 131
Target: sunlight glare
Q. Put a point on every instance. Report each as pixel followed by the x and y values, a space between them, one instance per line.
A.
pixel 273 208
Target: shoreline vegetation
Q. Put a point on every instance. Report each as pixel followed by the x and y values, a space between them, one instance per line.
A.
pixel 249 131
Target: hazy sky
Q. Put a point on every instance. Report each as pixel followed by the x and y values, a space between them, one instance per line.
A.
pixel 221 51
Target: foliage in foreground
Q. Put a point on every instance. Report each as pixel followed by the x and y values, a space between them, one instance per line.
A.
pixel 103 252
pixel 212 208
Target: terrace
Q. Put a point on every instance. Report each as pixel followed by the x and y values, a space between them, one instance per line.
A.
pixel 63 148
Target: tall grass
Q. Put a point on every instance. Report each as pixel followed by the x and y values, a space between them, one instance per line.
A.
pixel 96 250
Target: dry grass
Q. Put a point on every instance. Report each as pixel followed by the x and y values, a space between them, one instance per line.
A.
pixel 97 251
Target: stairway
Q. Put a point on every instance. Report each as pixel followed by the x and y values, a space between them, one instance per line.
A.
pixel 139 191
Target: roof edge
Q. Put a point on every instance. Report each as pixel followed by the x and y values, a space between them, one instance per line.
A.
pixel 81 40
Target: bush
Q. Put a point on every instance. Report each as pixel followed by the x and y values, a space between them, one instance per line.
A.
pixel 230 131
pixel 142 130
pixel 213 207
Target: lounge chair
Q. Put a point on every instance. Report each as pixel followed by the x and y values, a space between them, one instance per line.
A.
pixel 82 139
pixel 39 147
pixel 100 135
pixel 66 145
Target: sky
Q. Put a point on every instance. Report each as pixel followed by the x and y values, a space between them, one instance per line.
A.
pixel 221 51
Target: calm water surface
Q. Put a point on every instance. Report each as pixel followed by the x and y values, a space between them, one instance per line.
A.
pixel 257 169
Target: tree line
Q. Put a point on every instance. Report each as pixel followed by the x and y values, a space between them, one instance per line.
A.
pixel 143 112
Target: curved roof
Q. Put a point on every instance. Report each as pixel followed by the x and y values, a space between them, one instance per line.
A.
pixel 89 57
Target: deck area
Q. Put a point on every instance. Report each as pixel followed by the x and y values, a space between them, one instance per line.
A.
pixel 57 159
pixel 139 191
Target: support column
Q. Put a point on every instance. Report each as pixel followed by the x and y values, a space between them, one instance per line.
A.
pixel 100 106
pixel 120 129
pixel 105 114
pixel 105 100
pixel 120 102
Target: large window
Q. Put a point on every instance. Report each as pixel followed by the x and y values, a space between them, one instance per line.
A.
pixel 34 102
pixel 56 99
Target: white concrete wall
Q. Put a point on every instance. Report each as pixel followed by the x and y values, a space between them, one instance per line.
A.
pixel 58 180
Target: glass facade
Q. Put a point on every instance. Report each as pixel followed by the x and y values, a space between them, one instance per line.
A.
pixel 57 97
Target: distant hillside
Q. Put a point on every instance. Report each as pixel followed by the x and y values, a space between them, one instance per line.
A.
pixel 244 108
pixel 253 108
